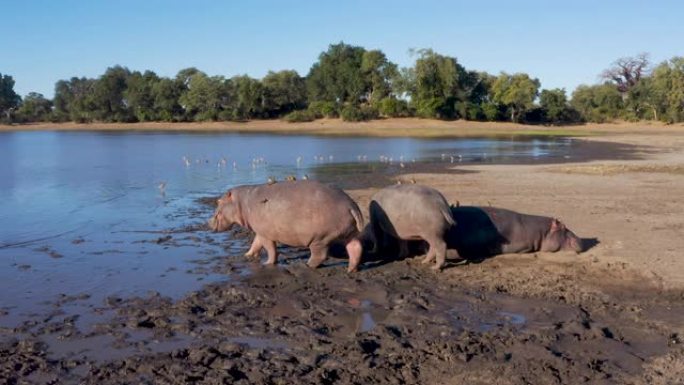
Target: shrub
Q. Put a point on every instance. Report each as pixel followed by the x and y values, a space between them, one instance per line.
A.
pixel 322 109
pixel 491 112
pixel 299 116
pixel 393 107
pixel 351 113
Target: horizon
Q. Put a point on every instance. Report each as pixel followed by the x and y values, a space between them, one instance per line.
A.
pixel 563 45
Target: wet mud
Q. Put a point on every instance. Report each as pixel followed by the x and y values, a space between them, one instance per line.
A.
pixel 509 320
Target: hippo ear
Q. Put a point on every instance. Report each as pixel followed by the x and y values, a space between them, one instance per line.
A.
pixel 557 225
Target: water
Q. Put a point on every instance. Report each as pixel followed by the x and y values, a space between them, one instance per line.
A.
pixel 83 212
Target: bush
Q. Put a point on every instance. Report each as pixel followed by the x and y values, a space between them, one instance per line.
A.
pixel 351 113
pixel 299 116
pixel 491 112
pixel 429 108
pixel 322 109
pixel 474 112
pixel 393 107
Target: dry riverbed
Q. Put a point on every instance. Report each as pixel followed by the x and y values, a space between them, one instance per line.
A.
pixel 613 314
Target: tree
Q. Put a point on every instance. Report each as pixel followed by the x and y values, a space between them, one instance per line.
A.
pixel 9 100
pixel 554 104
pixel 249 98
pixel 139 95
pixel 35 108
pixel 598 103
pixel 109 96
pixel 284 91
pixel 337 76
pixel 166 94
pixel 667 89
pixel 202 99
pixel 627 71
pixel 517 92
pixel 378 74
pixel 438 84
pixel 74 99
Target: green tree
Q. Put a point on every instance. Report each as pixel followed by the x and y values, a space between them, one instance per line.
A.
pixel 35 108
pixel 284 91
pixel 667 90
pixel 517 92
pixel 166 94
pixel 378 74
pixel 9 100
pixel 598 103
pixel 554 104
pixel 139 95
pixel 337 76
pixel 202 99
pixel 248 99
pixel 109 96
pixel 75 100
pixel 438 83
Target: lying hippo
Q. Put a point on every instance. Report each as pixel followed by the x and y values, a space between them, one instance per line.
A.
pixel 299 213
pixel 410 212
pixel 488 231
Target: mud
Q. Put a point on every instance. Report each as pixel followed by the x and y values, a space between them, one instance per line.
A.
pixel 495 322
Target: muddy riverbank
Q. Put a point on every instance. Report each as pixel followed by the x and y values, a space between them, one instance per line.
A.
pixel 393 323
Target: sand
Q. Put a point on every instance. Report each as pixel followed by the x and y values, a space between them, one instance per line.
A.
pixel 413 127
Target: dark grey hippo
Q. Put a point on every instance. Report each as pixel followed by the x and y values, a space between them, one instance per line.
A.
pixel 488 231
pixel 410 212
pixel 299 213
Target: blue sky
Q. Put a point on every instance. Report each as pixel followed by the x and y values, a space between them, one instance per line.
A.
pixel 563 43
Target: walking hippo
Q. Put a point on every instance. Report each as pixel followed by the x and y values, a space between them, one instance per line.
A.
pixel 488 231
pixel 410 212
pixel 298 213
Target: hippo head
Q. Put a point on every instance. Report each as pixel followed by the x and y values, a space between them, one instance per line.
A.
pixel 560 237
pixel 227 213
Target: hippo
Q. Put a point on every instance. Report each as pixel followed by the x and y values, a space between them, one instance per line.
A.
pixel 407 212
pixel 297 213
pixel 488 231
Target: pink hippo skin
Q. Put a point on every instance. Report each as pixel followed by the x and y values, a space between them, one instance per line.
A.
pixel 302 214
pixel 412 212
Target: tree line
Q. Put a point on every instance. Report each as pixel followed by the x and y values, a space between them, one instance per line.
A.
pixel 356 84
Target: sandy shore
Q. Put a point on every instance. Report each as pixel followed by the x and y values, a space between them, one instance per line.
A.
pixel 413 127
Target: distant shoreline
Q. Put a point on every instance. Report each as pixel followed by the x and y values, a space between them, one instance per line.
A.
pixel 395 127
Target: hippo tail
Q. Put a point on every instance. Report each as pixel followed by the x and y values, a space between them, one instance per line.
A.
pixel 358 218
pixel 447 215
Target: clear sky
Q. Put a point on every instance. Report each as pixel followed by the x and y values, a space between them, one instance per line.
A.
pixel 563 43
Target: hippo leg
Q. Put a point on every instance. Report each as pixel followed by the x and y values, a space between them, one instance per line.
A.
pixel 430 256
pixel 438 248
pixel 254 250
pixel 319 253
pixel 354 250
pixel 270 247
pixel 403 249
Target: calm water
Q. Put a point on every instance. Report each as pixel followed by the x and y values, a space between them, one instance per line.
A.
pixel 81 212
